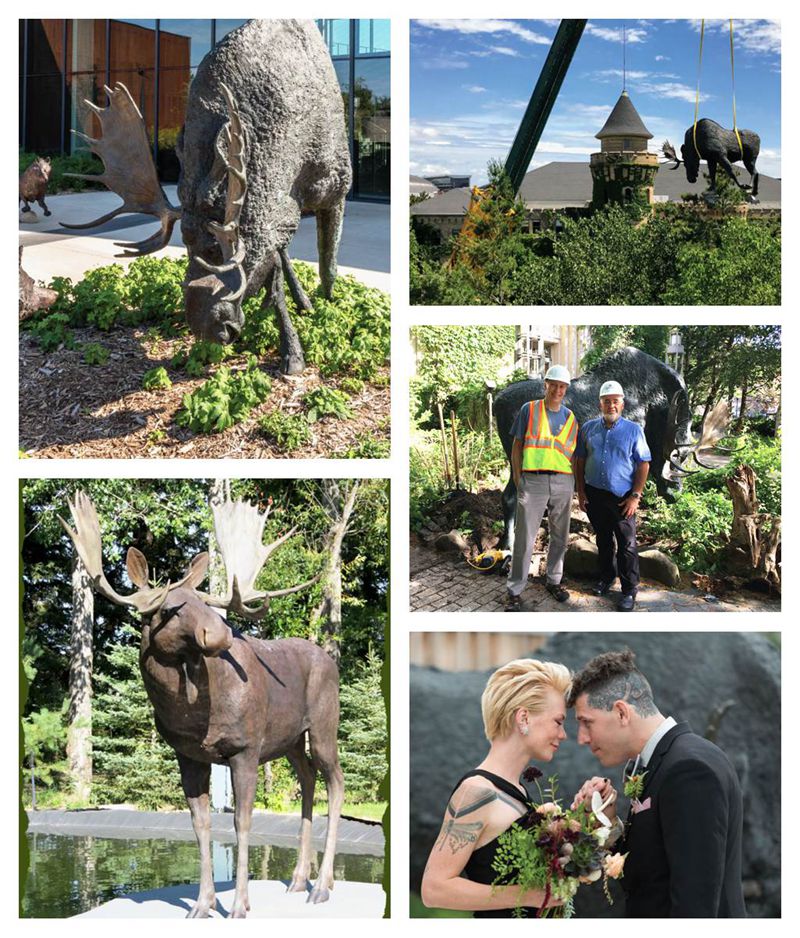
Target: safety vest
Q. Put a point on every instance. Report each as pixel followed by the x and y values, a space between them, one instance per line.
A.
pixel 541 450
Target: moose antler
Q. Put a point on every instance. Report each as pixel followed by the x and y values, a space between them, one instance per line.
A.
pixel 669 151
pixel 231 153
pixel 87 541
pixel 711 432
pixel 128 169
pixel 239 528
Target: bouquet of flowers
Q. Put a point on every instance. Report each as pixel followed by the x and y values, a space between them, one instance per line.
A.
pixel 555 849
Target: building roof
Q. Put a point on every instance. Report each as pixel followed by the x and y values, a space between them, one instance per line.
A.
pixel 419 185
pixel 569 185
pixel 624 121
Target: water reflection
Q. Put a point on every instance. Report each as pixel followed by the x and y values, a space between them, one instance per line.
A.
pixel 69 875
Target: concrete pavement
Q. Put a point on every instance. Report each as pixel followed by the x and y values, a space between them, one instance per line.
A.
pixel 50 250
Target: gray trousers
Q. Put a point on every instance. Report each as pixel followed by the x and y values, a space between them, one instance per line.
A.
pixel 537 491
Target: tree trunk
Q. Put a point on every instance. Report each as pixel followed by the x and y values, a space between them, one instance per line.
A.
pixel 327 617
pixel 742 407
pixel 79 733
pixel 755 537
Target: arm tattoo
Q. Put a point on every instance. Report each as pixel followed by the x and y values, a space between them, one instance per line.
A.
pixel 459 834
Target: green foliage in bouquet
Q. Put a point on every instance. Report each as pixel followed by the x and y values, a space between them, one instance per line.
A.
pixel 555 849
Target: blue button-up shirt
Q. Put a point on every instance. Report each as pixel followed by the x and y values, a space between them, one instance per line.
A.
pixel 612 453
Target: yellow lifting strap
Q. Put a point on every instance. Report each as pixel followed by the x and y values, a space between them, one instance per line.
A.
pixel 697 93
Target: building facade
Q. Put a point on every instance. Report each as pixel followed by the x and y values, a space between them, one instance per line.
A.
pixel 63 62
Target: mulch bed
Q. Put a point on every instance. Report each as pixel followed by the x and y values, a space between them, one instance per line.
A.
pixel 72 410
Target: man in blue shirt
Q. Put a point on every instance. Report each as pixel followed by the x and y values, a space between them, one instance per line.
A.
pixel 612 460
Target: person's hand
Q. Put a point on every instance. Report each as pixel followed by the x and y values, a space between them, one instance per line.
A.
pixel 629 505
pixel 589 787
pixel 583 501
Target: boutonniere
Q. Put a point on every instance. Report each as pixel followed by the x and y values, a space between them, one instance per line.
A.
pixel 634 785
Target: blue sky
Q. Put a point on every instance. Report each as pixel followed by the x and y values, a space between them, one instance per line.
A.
pixel 471 80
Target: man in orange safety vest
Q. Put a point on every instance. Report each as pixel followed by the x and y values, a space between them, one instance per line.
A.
pixel 545 433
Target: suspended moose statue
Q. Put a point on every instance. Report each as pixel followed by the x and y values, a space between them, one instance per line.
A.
pixel 718 147
pixel 265 114
pixel 223 697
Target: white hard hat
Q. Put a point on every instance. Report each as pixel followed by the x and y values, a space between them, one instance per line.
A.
pixel 611 387
pixel 557 373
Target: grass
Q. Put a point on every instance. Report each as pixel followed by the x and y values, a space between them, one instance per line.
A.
pixel 366 812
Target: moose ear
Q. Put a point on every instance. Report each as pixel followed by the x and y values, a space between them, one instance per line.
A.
pixel 137 567
pixel 197 571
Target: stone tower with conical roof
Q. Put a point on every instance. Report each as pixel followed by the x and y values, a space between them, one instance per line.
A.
pixel 623 171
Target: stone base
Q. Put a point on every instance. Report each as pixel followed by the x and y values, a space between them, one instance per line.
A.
pixel 268 899
pixel 28 218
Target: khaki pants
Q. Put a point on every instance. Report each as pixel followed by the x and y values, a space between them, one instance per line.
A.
pixel 537 491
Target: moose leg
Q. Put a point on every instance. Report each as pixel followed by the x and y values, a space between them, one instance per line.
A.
pixel 291 351
pixel 244 774
pixel 195 778
pixel 509 514
pixel 329 234
pixel 750 166
pixel 307 775
pixel 44 206
pixel 325 757
pixel 299 296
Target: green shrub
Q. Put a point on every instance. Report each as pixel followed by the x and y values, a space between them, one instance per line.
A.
pixel 95 354
pixel 99 299
pixel 156 379
pixel 201 355
pixel 369 447
pixel 225 399
pixel 290 431
pixel 52 331
pixel 154 290
pixel 352 385
pixel 60 165
pixel 696 523
pixel 327 402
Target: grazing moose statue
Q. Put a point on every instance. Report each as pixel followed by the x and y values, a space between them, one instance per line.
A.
pixel 223 697
pixel 33 185
pixel 655 397
pixel 264 139
pixel 718 147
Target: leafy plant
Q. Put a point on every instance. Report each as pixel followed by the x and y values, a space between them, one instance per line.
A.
pixel 156 379
pixel 290 431
pixel 694 525
pixel 52 331
pixel 369 447
pixel 201 355
pixel 352 385
pixel 327 402
pixel 154 289
pixel 225 399
pixel 362 730
pixel 95 354
pixel 99 298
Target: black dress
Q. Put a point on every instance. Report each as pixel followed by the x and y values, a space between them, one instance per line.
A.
pixel 479 866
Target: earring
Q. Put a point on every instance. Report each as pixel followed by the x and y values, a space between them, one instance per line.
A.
pixel 523 728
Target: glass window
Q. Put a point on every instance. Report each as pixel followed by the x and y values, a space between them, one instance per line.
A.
pixel 45 64
pixel 372 130
pixel 133 62
pixel 336 34
pixel 373 36
pixel 86 76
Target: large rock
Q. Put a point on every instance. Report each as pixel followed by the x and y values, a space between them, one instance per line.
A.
pixel 694 675
pixel 581 560
pixel 655 565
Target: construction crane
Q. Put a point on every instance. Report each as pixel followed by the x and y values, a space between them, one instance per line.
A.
pixel 533 122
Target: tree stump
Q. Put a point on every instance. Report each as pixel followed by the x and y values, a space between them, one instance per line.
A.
pixel 755 536
pixel 32 298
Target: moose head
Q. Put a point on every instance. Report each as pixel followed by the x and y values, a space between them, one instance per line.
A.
pixel 689 159
pixel 682 449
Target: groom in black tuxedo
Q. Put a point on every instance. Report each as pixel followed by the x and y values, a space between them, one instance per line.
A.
pixel 683 834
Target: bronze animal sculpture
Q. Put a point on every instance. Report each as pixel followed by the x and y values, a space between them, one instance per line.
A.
pixel 220 696
pixel 718 147
pixel 264 139
pixel 33 184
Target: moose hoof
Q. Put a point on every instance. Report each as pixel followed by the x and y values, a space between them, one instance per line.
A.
pixel 318 894
pixel 293 365
pixel 298 884
pixel 200 910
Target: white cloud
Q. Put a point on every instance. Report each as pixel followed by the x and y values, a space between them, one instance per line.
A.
pixel 474 89
pixel 758 36
pixel 670 89
pixel 443 62
pixel 615 35
pixel 492 27
pixel 618 73
pixel 555 146
pixel 663 58
pixel 505 50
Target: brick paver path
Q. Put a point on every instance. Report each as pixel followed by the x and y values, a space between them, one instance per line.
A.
pixel 448 584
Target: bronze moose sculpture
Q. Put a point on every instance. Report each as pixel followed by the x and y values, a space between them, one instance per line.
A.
pixel 264 139
pixel 711 142
pixel 223 697
pixel 33 185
